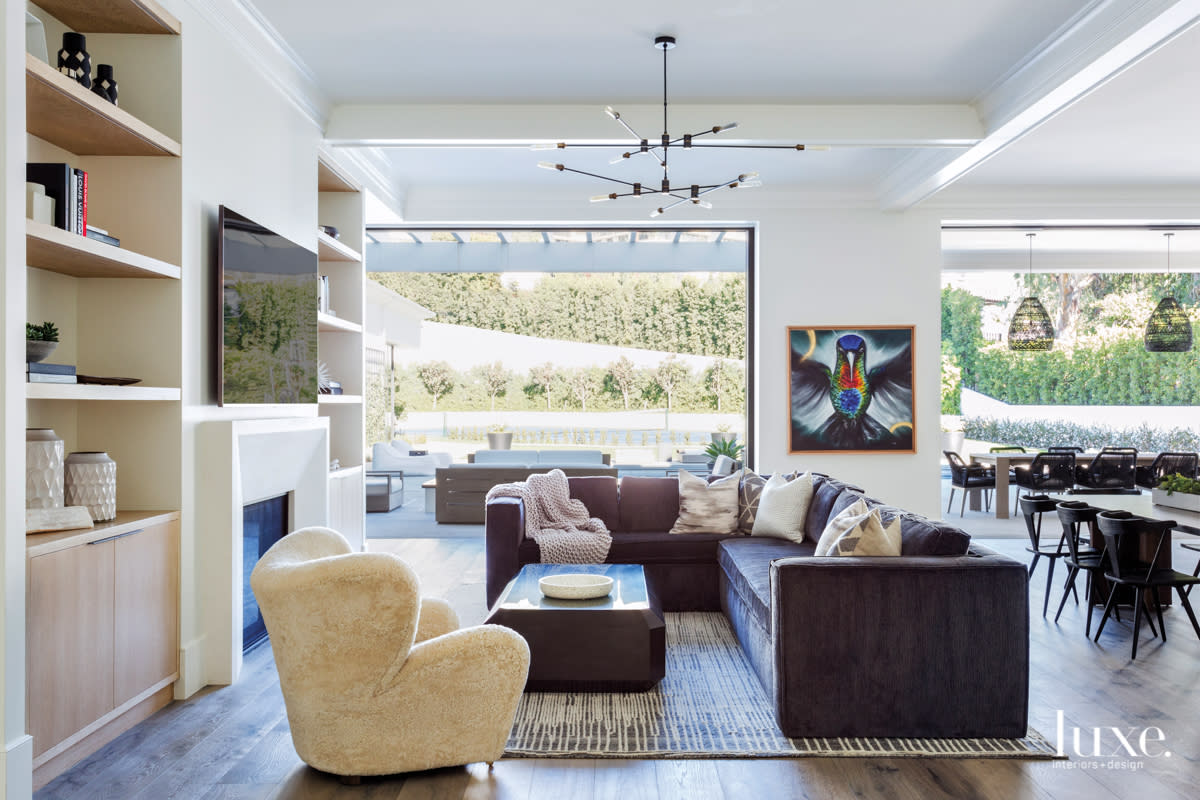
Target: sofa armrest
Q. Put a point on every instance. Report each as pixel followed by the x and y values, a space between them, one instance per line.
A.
pixel 504 528
pixel 915 646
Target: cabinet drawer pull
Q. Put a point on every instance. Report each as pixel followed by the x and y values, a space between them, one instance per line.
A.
pixel 118 536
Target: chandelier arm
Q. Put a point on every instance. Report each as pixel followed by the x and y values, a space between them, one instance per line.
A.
pixel 755 146
pixel 594 175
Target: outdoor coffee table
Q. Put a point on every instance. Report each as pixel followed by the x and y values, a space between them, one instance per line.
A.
pixel 612 644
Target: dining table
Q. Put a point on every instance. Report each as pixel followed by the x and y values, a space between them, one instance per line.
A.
pixel 1005 460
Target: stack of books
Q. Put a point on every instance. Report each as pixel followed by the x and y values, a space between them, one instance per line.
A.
pixel 42 372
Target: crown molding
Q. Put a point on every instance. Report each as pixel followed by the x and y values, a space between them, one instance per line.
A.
pixel 249 32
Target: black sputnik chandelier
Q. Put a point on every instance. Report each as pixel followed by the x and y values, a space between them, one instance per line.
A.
pixel 672 195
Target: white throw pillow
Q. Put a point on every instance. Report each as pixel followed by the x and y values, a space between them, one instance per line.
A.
pixel 860 531
pixel 783 507
pixel 707 507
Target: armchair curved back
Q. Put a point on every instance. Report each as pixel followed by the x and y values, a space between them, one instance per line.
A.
pixel 341 623
pixel 1171 463
pixel 1113 468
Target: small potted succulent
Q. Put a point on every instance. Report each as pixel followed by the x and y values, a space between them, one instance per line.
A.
pixel 725 447
pixel 40 341
pixel 1178 491
pixel 723 433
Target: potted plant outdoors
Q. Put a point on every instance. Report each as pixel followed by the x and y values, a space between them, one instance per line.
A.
pixel 725 447
pixel 953 436
pixel 499 437
pixel 723 434
pixel 40 341
pixel 1178 491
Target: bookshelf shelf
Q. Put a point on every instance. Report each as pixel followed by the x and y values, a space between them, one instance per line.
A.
pixel 330 179
pixel 339 399
pixel 91 391
pixel 56 250
pixel 330 249
pixel 64 113
pixel 113 16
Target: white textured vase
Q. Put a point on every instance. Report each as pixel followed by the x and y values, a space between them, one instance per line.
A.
pixel 91 480
pixel 43 469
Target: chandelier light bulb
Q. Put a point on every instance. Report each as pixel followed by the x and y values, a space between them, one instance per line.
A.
pixel 620 158
pixel 550 165
pixel 548 146
pixel 611 112
pixel 745 176
pixel 600 198
pixel 726 127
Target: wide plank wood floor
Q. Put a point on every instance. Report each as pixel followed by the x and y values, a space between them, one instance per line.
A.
pixel 232 743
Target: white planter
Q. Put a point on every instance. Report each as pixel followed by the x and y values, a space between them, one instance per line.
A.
pixel 43 469
pixel 91 480
pixel 1187 502
pixel 500 441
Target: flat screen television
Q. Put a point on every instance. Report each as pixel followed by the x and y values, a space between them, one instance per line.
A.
pixel 268 328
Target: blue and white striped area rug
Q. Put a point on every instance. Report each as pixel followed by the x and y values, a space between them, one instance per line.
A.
pixel 709 705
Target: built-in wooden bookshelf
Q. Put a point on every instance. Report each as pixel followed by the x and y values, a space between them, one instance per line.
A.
pixel 95 391
pixel 56 250
pixel 113 16
pixel 329 324
pixel 330 249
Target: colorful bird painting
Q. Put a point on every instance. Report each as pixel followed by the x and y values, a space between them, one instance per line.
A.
pixel 863 401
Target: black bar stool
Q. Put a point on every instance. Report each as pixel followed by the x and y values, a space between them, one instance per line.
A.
pixel 1141 575
pixel 1033 508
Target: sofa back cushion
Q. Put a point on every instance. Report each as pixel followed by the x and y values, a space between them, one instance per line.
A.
pixel 599 494
pixel 570 458
pixel 920 536
pixel 648 504
pixel 825 492
pixel 504 457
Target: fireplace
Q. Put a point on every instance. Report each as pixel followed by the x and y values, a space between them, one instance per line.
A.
pixel 263 524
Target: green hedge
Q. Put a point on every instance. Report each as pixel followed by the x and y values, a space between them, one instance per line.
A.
pixel 1111 372
pixel 1048 433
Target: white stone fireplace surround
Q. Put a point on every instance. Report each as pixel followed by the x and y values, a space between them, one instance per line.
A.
pixel 266 458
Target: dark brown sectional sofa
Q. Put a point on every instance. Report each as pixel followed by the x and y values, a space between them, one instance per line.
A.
pixel 934 643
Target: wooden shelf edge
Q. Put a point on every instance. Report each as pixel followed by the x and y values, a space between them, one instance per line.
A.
pixel 332 324
pixel 126 135
pixel 39 544
pixel 345 472
pixel 93 391
pixel 330 178
pixel 113 16
pixel 56 250
pixel 330 249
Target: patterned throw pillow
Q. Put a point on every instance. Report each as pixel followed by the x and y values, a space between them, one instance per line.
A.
pixel 749 492
pixel 783 507
pixel 860 531
pixel 707 507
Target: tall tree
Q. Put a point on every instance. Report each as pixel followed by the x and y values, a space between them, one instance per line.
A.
pixel 541 378
pixel 584 382
pixel 438 379
pixel 717 376
pixel 669 376
pixel 623 376
pixel 495 379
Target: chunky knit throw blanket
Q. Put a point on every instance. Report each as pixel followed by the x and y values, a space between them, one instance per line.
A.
pixel 561 526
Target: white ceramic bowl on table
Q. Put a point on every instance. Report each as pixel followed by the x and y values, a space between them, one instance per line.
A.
pixel 575 586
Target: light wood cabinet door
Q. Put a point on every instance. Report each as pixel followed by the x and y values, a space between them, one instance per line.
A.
pixel 70 641
pixel 146 627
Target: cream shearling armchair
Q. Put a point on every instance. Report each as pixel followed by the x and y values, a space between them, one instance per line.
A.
pixel 376 680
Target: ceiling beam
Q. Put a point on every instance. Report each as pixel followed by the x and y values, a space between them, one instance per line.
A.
pixel 555 257
pixel 511 125
pixel 1095 47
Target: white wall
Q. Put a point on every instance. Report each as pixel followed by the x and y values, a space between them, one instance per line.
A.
pixel 247 147
pixel 817 265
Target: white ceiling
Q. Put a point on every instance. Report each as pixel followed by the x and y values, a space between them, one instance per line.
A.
pixel 1136 131
pixel 748 50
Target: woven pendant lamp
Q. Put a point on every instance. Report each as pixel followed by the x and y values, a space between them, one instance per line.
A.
pixel 1030 329
pixel 1169 330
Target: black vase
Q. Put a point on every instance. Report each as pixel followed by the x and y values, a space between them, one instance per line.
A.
pixel 105 84
pixel 73 59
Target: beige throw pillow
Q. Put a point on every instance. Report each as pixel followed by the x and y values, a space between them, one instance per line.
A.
pixel 707 507
pixel 783 507
pixel 860 531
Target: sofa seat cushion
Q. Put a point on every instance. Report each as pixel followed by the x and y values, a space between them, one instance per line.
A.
pixel 747 565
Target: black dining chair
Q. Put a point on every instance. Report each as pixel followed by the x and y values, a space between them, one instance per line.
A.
pixel 1076 517
pixel 1165 464
pixel 1047 472
pixel 969 477
pixel 1130 571
pixel 1066 448
pixel 1112 471
pixel 1008 448
pixel 1034 508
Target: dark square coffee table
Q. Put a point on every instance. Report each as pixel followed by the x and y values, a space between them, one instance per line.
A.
pixel 613 644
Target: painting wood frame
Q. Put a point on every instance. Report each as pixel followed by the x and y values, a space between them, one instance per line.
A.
pixel 873 411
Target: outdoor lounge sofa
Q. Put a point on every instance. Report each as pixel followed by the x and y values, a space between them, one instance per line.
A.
pixel 933 643
pixel 462 488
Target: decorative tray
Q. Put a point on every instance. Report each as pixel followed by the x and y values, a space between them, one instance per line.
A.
pixel 105 381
